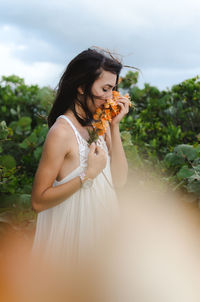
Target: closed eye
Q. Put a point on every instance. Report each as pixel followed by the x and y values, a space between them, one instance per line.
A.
pixel 105 90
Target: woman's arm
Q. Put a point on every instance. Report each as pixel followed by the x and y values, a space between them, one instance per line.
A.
pixel 55 148
pixel 119 165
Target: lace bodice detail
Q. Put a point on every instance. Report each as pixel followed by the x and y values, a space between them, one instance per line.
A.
pixel 83 144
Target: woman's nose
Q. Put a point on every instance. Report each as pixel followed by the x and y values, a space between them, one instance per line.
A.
pixel 109 95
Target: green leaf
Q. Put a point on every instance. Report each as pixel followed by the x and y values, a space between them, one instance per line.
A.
pixel 24 200
pixel 24 121
pixel 197 148
pixel 172 160
pixel 186 151
pixel 126 138
pixel 24 144
pixel 30 140
pixel 37 153
pixel 13 111
pixel 184 172
pixel 3 109
pixel 194 187
pixel 7 161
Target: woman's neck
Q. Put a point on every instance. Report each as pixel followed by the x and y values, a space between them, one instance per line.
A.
pixel 80 112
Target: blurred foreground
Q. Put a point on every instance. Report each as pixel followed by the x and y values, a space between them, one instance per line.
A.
pixel 153 256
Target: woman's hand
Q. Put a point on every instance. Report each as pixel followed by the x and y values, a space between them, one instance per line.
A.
pixel 96 161
pixel 123 102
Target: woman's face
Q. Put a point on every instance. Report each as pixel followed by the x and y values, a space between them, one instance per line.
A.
pixel 102 88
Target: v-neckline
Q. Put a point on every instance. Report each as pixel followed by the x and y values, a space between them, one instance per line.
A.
pixel 79 131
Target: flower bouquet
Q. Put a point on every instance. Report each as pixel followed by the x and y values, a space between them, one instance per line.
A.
pixel 103 116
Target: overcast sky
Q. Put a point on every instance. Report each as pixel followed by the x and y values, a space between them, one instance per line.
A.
pixel 39 38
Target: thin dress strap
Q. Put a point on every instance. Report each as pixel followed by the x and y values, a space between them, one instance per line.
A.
pixel 80 139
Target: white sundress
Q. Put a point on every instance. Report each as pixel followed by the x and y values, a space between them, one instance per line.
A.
pixel 74 225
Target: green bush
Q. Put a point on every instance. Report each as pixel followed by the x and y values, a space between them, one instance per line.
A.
pixel 159 122
pixel 161 131
pixel 23 129
pixel 184 163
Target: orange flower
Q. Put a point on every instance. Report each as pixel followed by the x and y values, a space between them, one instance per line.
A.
pixel 120 79
pixel 98 111
pixel 106 105
pixel 103 117
pixel 96 117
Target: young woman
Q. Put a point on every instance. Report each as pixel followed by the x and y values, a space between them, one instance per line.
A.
pixel 73 190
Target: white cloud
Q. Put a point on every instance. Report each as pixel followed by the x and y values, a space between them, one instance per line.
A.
pixel 42 73
pixel 166 77
pixel 159 37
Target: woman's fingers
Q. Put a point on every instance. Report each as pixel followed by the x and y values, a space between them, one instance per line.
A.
pixel 96 149
pixel 92 147
pixel 99 149
pixel 124 106
pixel 125 101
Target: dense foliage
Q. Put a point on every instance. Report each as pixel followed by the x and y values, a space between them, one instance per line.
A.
pixel 23 129
pixel 162 131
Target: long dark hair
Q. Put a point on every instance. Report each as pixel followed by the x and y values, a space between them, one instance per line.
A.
pixel 82 71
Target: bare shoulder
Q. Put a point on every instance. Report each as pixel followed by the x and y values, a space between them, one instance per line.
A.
pixel 57 145
pixel 59 136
